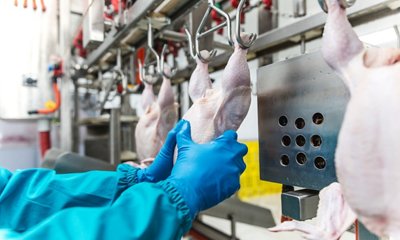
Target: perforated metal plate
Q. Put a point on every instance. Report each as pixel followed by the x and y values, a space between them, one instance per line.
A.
pixel 301 105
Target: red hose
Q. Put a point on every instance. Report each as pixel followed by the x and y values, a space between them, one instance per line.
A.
pixel 44 142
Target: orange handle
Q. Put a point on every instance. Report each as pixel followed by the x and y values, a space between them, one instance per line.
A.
pixel 34 5
pixel 43 6
pixel 25 3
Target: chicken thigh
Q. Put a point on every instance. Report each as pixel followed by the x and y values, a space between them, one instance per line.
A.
pixel 369 145
pixel 217 110
pixel 158 119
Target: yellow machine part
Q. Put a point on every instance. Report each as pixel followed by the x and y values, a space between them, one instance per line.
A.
pixel 250 183
pixel 50 104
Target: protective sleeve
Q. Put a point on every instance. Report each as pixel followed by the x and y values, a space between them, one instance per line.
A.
pixel 27 197
pixel 144 211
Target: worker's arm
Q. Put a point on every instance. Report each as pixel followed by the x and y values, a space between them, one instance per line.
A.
pixel 144 211
pixel 203 176
pixel 29 196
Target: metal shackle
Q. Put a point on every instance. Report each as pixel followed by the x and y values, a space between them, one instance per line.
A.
pixel 343 3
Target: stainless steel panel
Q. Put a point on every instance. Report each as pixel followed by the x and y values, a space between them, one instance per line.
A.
pixel 300 205
pixel 296 90
pixel 93 24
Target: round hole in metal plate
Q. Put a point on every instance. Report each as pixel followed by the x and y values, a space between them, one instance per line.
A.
pixel 286 140
pixel 283 121
pixel 316 140
pixel 300 141
pixel 320 162
pixel 301 158
pixel 300 123
pixel 285 160
pixel 318 118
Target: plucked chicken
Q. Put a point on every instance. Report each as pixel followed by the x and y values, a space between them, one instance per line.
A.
pixel 158 119
pixel 368 146
pixel 217 110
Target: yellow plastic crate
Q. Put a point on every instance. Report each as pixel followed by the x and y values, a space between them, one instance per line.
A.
pixel 250 183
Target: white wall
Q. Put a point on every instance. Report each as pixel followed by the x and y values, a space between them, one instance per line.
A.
pixel 28 38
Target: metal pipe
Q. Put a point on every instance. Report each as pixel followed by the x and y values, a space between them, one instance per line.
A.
pixel 115 136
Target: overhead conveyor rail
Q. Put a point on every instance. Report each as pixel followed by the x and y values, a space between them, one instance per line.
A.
pixel 173 9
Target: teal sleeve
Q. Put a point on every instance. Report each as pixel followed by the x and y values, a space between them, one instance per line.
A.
pixel 144 211
pixel 27 197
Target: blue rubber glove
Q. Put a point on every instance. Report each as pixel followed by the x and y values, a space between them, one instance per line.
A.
pixel 162 165
pixel 207 174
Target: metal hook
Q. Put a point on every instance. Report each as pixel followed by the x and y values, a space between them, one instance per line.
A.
pixel 239 39
pixel 144 78
pixel 343 3
pixel 150 45
pixel 190 42
pixel 199 34
pixel 197 54
pixel 151 78
pixel 173 70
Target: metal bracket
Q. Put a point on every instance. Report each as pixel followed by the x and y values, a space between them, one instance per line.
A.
pixel 343 3
pixel 153 78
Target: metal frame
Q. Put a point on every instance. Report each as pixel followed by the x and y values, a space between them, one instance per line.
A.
pixel 137 12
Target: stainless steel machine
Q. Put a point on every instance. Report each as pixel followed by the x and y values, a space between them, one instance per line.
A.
pixel 301 104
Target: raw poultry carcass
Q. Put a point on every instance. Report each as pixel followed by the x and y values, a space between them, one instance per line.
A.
pixel 217 110
pixel 158 119
pixel 367 155
pixel 368 148
pixel 334 217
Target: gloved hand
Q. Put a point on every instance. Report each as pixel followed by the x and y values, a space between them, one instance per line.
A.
pixel 206 174
pixel 161 168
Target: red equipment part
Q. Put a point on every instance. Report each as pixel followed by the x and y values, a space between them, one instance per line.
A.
pixel 268 4
pixel 44 142
pixel 140 57
pixel 235 4
pixel 218 20
pixel 120 88
pixel 78 44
